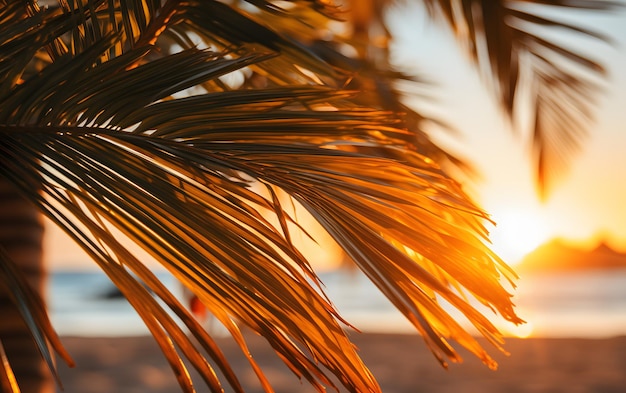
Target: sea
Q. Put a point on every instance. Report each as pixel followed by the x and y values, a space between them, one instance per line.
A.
pixel 588 304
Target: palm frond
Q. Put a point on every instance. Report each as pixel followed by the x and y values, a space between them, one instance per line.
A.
pixel 512 41
pixel 32 309
pixel 8 383
pixel 149 185
pixel 98 138
pixel 377 85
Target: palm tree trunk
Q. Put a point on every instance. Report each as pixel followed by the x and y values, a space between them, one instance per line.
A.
pixel 21 235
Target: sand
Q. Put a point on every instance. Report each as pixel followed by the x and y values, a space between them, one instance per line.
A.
pixel 401 363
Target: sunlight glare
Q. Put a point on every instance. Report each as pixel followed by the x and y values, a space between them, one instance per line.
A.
pixel 524 330
pixel 517 232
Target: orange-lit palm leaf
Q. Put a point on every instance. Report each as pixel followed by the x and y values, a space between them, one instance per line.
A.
pixel 33 312
pixel 98 126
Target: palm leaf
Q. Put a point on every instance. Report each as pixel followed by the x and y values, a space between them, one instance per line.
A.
pixel 511 41
pixel 99 128
pixel 162 228
pixel 32 309
pixel 376 85
pixel 8 383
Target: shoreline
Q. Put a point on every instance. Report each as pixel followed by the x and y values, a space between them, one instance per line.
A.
pixel 400 362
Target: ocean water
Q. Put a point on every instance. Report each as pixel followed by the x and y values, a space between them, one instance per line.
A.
pixel 572 304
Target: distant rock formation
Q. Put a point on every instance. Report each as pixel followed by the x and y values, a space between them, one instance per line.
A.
pixel 558 255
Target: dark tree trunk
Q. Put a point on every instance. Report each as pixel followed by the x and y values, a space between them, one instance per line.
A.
pixel 21 235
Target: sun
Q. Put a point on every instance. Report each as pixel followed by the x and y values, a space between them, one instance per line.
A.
pixel 517 232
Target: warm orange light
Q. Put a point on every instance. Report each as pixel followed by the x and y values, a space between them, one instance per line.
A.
pixel 524 330
pixel 518 232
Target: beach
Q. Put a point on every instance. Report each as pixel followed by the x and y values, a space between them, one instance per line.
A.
pixel 400 362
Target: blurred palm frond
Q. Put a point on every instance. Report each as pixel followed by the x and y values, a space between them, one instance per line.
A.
pixel 517 46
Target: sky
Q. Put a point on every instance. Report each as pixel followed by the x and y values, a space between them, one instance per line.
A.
pixel 587 202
